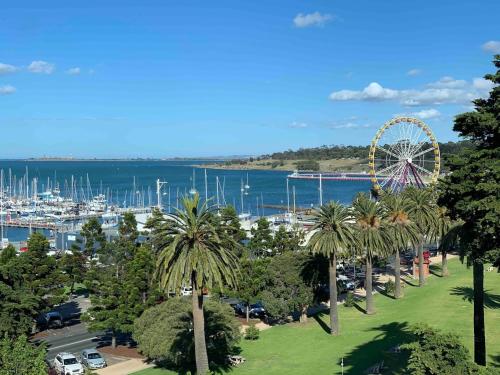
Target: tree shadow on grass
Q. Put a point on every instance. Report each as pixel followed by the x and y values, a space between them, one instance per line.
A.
pixel 410 283
pixel 378 349
pixel 491 301
pixel 319 319
pixel 384 293
pixel 359 308
pixel 495 360
pixel 435 269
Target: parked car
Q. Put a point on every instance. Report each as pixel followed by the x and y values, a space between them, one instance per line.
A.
pixel 67 364
pixel 92 359
pixel 186 291
pixel 256 310
pixel 51 319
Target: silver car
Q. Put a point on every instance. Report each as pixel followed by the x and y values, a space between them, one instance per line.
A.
pixel 92 359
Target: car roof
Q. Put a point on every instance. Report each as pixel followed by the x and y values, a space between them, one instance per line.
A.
pixel 88 351
pixel 53 313
pixel 65 355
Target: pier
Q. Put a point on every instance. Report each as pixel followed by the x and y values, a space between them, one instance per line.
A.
pixel 338 176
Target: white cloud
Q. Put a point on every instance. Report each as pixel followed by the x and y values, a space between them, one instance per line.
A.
pixel 427 113
pixel 374 91
pixel 445 91
pixel 349 125
pixel 311 19
pixel 6 90
pixel 492 46
pixel 298 125
pixel 482 84
pixel 6 69
pixel 41 67
pixel 448 83
pixel 74 71
pixel 414 72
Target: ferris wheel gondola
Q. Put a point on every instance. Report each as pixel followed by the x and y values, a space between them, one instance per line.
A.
pixel 404 152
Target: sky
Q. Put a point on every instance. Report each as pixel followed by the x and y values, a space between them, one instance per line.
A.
pixel 212 78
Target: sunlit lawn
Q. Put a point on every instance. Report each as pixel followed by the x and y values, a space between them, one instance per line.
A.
pixel 306 348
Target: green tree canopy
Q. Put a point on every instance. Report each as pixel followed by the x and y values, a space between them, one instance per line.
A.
pixel 286 288
pixel 261 241
pixel 93 236
pixel 18 356
pixel 164 333
pixel 471 194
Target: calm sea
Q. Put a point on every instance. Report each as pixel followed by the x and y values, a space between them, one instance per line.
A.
pixel 116 180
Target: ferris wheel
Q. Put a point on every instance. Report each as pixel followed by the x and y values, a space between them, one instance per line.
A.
pixel 404 152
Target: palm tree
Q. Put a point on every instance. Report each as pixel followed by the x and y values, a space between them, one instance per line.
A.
pixel 333 237
pixel 450 240
pixel 402 231
pixel 423 214
pixel 442 226
pixel 371 237
pixel 190 251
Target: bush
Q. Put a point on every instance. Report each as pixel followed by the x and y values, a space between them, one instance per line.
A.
pixel 252 333
pixel 390 287
pixel 174 347
pixel 435 352
pixel 349 300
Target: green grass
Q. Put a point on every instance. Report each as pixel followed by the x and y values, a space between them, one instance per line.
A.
pixel 306 349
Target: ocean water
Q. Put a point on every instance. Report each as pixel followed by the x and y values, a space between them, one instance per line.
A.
pixel 116 180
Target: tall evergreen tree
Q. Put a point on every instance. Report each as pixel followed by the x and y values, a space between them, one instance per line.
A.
pixel 472 195
pixel 19 305
pixel 261 240
pixel 93 236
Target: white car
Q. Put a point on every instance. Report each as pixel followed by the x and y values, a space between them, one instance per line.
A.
pixel 67 364
pixel 186 291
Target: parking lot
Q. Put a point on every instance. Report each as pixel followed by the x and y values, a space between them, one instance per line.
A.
pixel 74 336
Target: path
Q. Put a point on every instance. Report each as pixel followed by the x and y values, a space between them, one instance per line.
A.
pixel 123 368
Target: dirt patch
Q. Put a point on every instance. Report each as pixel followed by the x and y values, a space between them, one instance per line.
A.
pixel 121 351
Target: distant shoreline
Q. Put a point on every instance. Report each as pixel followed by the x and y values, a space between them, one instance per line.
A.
pixel 327 165
pixel 117 159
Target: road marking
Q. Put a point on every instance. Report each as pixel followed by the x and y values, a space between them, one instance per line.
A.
pixel 72 343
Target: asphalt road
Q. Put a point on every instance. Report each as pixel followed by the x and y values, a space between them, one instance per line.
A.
pixel 74 336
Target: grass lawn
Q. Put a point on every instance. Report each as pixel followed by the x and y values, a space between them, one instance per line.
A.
pixel 444 303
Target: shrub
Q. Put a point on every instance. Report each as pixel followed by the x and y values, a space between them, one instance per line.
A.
pixel 252 333
pixel 174 347
pixel 349 300
pixel 435 352
pixel 390 287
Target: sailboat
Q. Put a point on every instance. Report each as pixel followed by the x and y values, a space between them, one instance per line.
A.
pixel 193 191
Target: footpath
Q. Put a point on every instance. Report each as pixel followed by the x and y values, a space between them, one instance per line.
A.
pixel 124 368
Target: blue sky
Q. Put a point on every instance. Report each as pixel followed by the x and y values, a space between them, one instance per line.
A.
pixel 200 78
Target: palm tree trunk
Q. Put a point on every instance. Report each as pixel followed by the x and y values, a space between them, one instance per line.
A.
pixel 397 275
pixel 421 276
pixel 479 337
pixel 370 308
pixel 334 314
pixel 444 264
pixel 248 312
pixel 200 346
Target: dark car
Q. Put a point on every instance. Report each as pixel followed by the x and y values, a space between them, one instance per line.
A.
pixel 256 310
pixel 51 319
